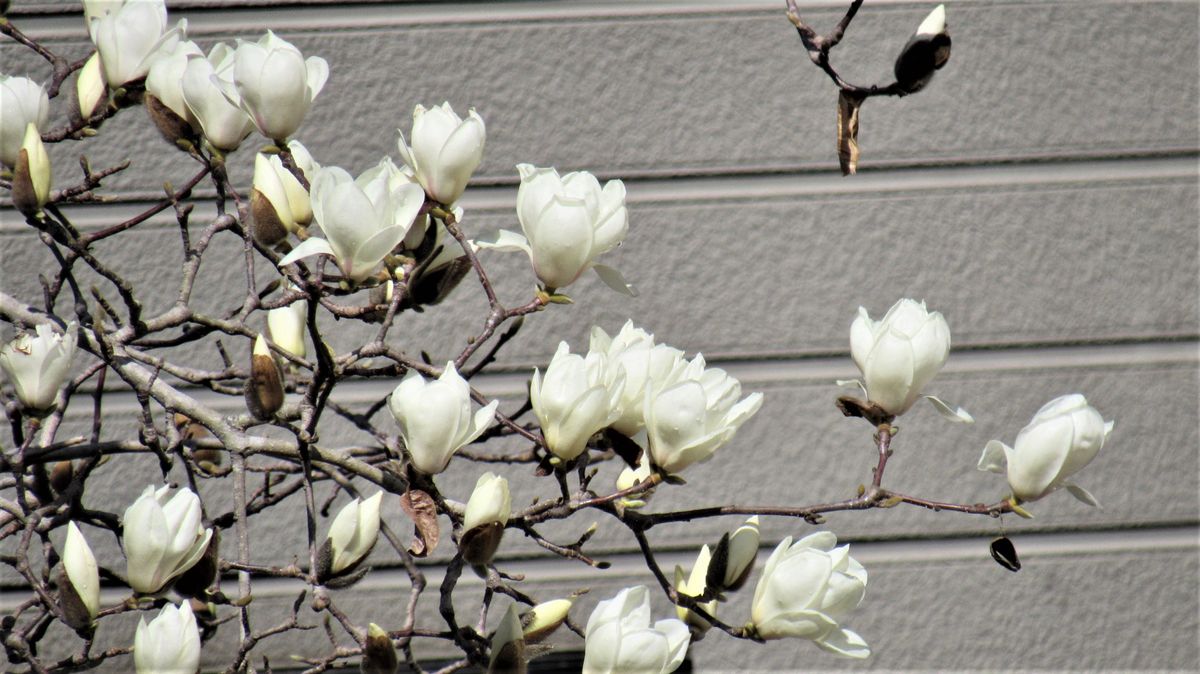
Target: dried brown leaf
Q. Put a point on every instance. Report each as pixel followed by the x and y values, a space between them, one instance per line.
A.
pixel 847 132
pixel 421 509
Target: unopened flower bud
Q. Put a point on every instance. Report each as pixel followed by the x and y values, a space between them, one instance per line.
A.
pixel 695 586
pixel 269 204
pixel 541 620
pixel 286 326
pixel 379 654
pixel 61 476
pixel 351 537
pixel 90 90
pixel 79 584
pixel 31 176
pixel 925 53
pixel 508 645
pixel 264 388
pixel 487 513
pixel 734 556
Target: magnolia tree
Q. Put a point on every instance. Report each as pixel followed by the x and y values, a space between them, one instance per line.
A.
pixel 369 247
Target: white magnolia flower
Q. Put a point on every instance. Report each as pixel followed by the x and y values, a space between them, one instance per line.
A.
pixel 576 398
pixel 275 84
pixel 693 585
pixel 36 366
pixel 299 202
pixel 128 34
pixel 806 589
pixel 445 151
pixel 689 420
pixel 170 644
pixel 489 502
pixel 81 570
pixel 363 220
pixel 647 367
pixel 223 124
pixel 162 537
pixel 287 327
pixel 165 78
pixel 620 639
pixel 568 223
pixel 1063 437
pixel 22 102
pixel 91 91
pixel 353 532
pixel 435 417
pixel 900 354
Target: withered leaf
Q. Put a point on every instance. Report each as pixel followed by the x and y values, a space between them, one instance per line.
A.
pixel 1005 554
pixel 847 132
pixel 421 509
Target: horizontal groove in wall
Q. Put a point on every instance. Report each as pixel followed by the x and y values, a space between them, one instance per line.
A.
pixel 1031 546
pixel 46 20
pixel 1090 172
pixel 768 372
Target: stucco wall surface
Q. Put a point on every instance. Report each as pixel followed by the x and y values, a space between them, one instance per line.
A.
pixel 1042 194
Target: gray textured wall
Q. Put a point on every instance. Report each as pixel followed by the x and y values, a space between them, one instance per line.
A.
pixel 1042 194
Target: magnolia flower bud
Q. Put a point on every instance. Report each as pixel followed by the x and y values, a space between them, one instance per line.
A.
pixel 445 150
pixel 926 52
pixel 275 84
pixel 264 387
pixel 91 91
pixel 37 366
pixel 540 621
pixel 1063 437
pixel 223 124
pixel 62 475
pixel 734 557
pixel 806 589
pixel 487 514
pixel 577 397
pixel 633 476
pixel 31 175
pixel 298 200
pixel 379 654
pixel 195 581
pixel 647 366
pixel 695 586
pixel 22 102
pixel 128 35
pixel 508 645
pixel 435 417
pixel 79 584
pixel 287 327
pixel 162 537
pixel 170 643
pixel 350 537
pixel 568 223
pixel 688 421
pixel 900 354
pixel 621 640
pixel 363 220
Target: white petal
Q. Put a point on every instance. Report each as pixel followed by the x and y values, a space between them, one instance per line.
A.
pixel 958 415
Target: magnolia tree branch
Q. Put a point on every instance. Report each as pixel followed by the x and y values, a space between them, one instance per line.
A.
pixel 204 415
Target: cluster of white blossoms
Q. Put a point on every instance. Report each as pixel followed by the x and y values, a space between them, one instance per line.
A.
pixel 677 411
pixel 683 411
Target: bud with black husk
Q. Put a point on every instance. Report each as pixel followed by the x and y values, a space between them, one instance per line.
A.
pixel 264 388
pixel 379 654
pixel 924 54
pixel 79 581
